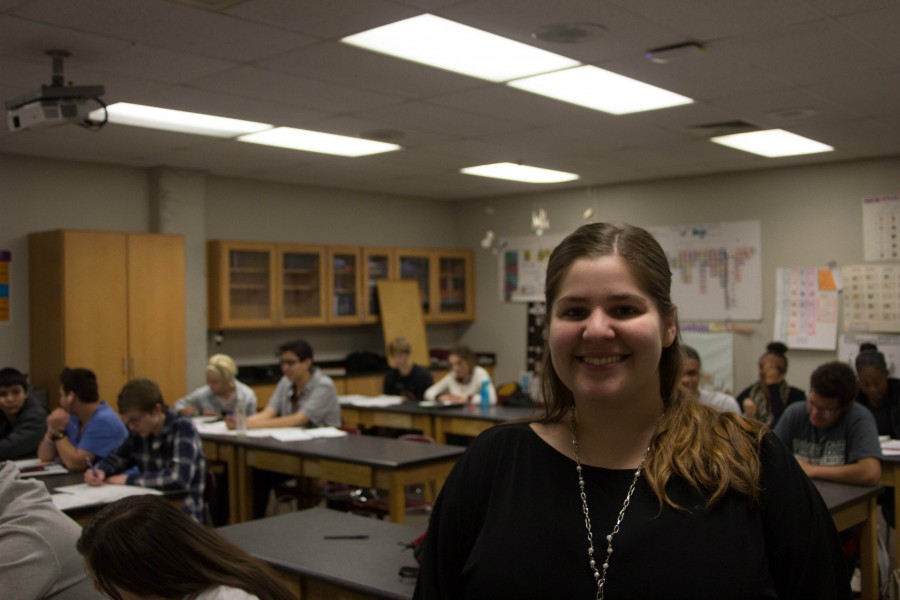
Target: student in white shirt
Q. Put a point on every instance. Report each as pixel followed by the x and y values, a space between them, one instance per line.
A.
pixel 463 383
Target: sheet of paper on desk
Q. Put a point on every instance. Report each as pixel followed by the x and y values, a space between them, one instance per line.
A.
pixel 35 467
pixel 294 434
pixel 371 401
pixel 82 494
pixel 216 428
pixel 890 447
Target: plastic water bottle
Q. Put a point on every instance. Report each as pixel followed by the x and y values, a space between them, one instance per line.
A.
pixel 240 418
pixel 485 395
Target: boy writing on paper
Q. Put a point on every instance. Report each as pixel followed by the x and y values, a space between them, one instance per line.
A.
pixel 82 429
pixel 165 448
pixel 833 437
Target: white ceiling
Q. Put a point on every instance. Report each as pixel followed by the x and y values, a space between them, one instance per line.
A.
pixel 825 69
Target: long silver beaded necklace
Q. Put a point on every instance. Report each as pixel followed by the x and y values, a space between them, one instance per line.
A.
pixel 600 575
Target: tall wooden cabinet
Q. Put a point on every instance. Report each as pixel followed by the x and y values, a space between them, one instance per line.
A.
pixel 111 302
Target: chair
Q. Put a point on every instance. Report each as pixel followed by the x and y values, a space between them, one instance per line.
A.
pixel 372 502
pixel 300 493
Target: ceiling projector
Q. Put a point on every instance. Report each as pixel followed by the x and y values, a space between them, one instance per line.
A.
pixel 54 104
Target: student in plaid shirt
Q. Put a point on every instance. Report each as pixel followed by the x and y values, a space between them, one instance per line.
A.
pixel 164 447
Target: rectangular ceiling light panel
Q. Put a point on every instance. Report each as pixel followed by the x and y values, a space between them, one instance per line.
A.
pixel 516 172
pixel 772 143
pixel 444 44
pixel 137 115
pixel 596 88
pixel 316 141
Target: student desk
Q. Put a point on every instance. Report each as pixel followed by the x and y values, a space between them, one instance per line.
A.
pixel 855 505
pixel 467 419
pixel 890 477
pixel 315 568
pixel 83 514
pixel 364 461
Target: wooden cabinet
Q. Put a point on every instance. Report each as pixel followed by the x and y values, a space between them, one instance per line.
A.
pixel 255 285
pixel 377 263
pixel 258 285
pixel 345 303
pixel 110 302
pixel 446 282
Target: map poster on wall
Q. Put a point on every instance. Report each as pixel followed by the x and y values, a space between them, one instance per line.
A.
pixel 888 344
pixel 871 297
pixel 716 269
pixel 523 266
pixel 806 308
pixel 881 227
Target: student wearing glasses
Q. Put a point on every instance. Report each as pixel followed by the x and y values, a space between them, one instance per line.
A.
pixel 833 437
pixel 165 448
pixel 304 397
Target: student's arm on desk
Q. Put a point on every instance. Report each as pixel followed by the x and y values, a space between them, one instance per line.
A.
pixel 75 459
pixel 866 471
pixel 187 454
pixel 268 418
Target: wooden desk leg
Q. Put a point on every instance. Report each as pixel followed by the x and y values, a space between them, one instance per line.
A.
pixel 895 470
pixel 397 499
pixel 439 435
pixel 245 482
pixel 869 553
pixel 227 453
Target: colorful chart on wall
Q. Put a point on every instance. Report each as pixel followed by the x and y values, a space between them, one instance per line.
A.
pixel 881 227
pixel 716 269
pixel 806 308
pixel 522 265
pixel 871 297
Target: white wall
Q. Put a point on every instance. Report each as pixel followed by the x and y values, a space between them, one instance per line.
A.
pixel 808 216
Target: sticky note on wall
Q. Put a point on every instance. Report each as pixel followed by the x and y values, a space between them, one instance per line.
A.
pixel 5 258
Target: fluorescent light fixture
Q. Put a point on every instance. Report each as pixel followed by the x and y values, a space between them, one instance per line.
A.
pixel 137 115
pixel 516 172
pixel 444 44
pixel 316 141
pixel 596 88
pixel 771 143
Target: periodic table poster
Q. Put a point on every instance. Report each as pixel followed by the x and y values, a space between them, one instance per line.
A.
pixel 871 297
pixel 881 227
pixel 806 308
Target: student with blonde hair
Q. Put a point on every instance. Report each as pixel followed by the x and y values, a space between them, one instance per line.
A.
pixel 222 394
pixel 406 379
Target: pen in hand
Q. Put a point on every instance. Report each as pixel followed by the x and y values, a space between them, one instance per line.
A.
pixel 92 466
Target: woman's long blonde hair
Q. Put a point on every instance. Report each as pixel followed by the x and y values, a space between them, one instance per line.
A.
pixel 713 451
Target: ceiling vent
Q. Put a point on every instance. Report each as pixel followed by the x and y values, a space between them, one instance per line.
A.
pixel 708 130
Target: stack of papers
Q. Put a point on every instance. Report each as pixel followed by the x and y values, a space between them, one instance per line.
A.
pixel 35 467
pixel 370 401
pixel 890 447
pixel 282 434
pixel 82 494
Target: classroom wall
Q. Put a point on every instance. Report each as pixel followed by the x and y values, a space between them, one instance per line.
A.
pixel 809 216
pixel 38 195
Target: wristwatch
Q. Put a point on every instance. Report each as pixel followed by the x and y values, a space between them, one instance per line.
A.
pixel 58 435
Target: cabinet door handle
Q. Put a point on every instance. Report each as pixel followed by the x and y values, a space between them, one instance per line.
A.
pixel 125 365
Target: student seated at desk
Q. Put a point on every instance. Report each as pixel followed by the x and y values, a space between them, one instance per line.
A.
pixel 304 397
pixel 463 383
pixel 166 449
pixel 878 392
pixel 690 378
pixel 221 395
pixel 833 437
pixel 82 429
pixel 766 399
pixel 142 547
pixel 22 417
pixel 37 543
pixel 406 378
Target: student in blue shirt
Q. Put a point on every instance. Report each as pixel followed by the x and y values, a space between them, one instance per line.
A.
pixel 82 429
pixel 165 448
